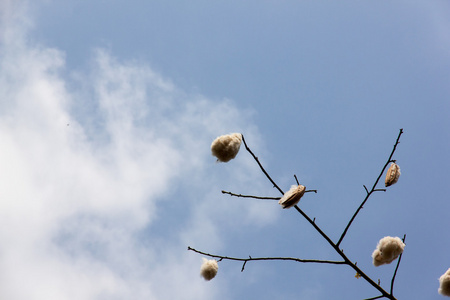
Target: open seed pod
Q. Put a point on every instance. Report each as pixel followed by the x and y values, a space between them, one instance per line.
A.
pixel 226 147
pixel 392 175
pixel 292 197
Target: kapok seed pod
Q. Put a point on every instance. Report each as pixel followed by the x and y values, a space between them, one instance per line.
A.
pixel 444 284
pixel 392 175
pixel 226 147
pixel 209 269
pixel 292 197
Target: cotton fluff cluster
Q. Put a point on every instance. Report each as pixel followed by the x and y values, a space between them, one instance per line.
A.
pixel 292 197
pixel 444 284
pixel 209 269
pixel 392 175
pixel 388 249
pixel 226 147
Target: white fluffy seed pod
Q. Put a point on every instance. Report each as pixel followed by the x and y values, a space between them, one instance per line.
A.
pixel 377 258
pixel 209 269
pixel 226 147
pixel 444 284
pixel 392 175
pixel 292 197
pixel 388 249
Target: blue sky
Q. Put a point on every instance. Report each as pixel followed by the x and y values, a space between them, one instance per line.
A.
pixel 108 110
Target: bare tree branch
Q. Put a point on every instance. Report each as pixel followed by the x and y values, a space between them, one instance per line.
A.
pixel 372 190
pixel 335 246
pixel 396 268
pixel 245 260
pixel 262 169
pixel 250 196
pixel 295 176
pixel 373 298
pixel 258 197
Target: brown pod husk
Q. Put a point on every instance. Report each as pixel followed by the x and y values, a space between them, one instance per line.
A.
pixel 444 284
pixel 292 197
pixel 392 175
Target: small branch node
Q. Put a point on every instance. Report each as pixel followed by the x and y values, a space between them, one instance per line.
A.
pixel 367 191
pixel 243 266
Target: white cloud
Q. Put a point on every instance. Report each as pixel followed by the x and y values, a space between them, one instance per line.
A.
pixel 80 194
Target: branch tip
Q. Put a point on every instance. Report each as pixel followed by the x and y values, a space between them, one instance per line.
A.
pixel 308 191
pixel 243 266
pixel 366 188
pixel 295 176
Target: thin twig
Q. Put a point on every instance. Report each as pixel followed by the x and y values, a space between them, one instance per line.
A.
pixel 245 260
pixel 262 169
pixel 366 188
pixel 295 176
pixel 371 191
pixel 250 196
pixel 308 191
pixel 259 197
pixel 396 268
pixel 243 265
pixel 373 298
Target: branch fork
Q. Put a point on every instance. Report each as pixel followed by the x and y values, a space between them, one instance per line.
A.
pixel 345 260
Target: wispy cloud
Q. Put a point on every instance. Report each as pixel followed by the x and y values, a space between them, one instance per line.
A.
pixel 87 177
